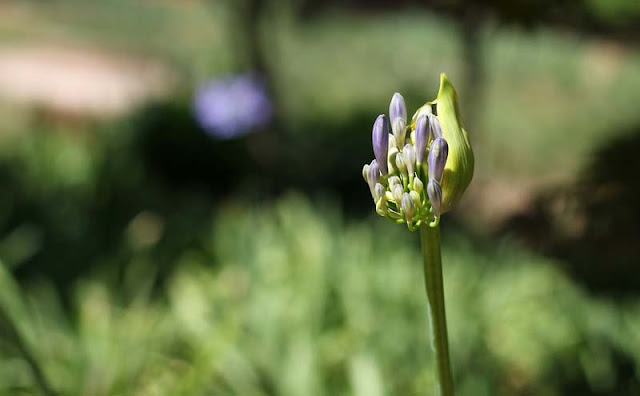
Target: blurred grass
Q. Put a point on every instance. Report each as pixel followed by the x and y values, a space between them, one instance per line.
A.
pixel 298 302
pixel 289 297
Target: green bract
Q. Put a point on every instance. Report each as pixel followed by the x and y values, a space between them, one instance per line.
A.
pixel 408 173
pixel 458 171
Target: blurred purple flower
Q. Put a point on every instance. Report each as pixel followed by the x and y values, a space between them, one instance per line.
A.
pixel 232 106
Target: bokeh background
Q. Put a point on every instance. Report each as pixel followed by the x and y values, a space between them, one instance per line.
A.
pixel 182 210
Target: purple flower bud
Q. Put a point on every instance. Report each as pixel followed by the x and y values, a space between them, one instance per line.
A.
pixel 437 159
pixel 422 138
pixel 435 196
pixel 374 173
pixel 397 108
pixel 407 205
pixel 378 192
pixel 380 138
pixel 434 127
pixel 409 155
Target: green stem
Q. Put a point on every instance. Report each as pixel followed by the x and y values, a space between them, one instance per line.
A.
pixel 430 238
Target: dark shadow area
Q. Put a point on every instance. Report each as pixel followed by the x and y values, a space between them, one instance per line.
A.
pixel 622 381
pixel 594 226
pixel 320 158
pixel 609 20
pixel 160 162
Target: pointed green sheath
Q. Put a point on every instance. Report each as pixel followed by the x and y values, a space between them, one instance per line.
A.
pixel 458 171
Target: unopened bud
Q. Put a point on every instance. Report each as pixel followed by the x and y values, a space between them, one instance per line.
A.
pixel 380 139
pixel 365 172
pixel 374 173
pixel 399 129
pixel 393 180
pixel 400 164
pixel 434 127
pixel 422 138
pixel 425 110
pixel 435 196
pixel 415 197
pixel 391 160
pixel 397 108
pixel 438 153
pixel 392 143
pixel 397 193
pixel 408 207
pixel 409 155
pixel 418 186
pixel 378 191
pixel 381 207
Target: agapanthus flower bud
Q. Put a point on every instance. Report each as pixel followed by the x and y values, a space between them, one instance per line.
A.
pixel 374 173
pixel 409 156
pixel 391 159
pixel 365 172
pixel 415 197
pixel 400 164
pixel 397 193
pixel 399 129
pixel 425 164
pixel 438 153
pixel 434 127
pixel 407 205
pixel 418 186
pixel 425 110
pixel 393 145
pixel 393 180
pixel 381 207
pixel 397 108
pixel 380 139
pixel 378 191
pixel 434 191
pixel 422 138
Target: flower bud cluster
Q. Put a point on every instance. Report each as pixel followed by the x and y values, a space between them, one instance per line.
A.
pixel 411 175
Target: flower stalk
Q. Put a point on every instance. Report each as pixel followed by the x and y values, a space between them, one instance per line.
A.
pixel 430 239
pixel 420 171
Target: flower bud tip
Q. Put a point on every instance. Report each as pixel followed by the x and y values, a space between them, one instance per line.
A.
pixel 380 139
pixel 397 108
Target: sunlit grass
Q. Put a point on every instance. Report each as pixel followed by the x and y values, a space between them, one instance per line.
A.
pixel 296 302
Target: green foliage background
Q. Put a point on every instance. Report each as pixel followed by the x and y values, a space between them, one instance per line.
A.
pixel 301 303
pixel 140 257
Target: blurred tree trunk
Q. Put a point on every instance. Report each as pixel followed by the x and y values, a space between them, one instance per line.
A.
pixel 254 9
pixel 248 37
pixel 474 68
